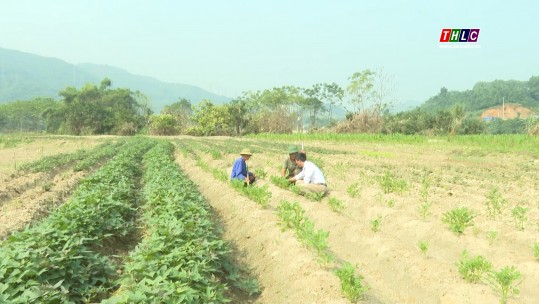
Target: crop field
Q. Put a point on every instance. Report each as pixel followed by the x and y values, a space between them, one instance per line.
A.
pixel 408 219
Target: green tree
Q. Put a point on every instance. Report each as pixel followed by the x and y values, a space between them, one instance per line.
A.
pixel 164 124
pixel 182 111
pixel 209 119
pixel 101 110
pixel 360 89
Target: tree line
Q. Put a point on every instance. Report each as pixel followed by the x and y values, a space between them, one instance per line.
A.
pixel 100 109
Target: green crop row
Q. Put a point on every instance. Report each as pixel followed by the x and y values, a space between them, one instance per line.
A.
pixel 53 161
pixel 55 261
pixel 94 156
pixel 182 259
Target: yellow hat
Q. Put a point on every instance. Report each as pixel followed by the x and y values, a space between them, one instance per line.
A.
pixel 246 152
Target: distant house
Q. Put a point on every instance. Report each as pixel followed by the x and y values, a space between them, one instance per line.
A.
pixel 509 111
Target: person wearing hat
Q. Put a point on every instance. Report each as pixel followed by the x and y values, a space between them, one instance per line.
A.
pixel 290 168
pixel 310 179
pixel 239 169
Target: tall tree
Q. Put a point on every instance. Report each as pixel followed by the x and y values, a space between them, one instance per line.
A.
pixel 360 89
pixel 182 111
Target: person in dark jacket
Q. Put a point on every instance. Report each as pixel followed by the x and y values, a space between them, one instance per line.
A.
pixel 239 169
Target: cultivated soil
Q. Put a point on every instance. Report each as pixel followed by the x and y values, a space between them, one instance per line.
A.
pixel 393 266
pixel 390 261
pixel 27 197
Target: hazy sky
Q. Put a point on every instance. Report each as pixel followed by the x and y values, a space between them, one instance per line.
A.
pixel 232 46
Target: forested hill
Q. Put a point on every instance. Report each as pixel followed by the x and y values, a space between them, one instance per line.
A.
pixel 484 95
pixel 24 76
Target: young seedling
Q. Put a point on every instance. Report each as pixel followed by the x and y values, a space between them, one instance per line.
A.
pixel 351 284
pixel 260 173
pixel 423 246
pixel 425 185
pixel 520 217
pixel 375 224
pixel 424 210
pixel 458 219
pixel 390 203
pixel 280 182
pixel 354 190
pixel 315 197
pixel 495 203
pixel 473 269
pixel 390 183
pixel 505 282
pixel 336 205
pixel 536 251
pixel 215 154
pixel 492 236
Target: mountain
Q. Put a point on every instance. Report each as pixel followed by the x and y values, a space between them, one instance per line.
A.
pixel 24 76
pixel 485 95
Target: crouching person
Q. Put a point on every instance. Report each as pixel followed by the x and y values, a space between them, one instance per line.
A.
pixel 239 169
pixel 310 179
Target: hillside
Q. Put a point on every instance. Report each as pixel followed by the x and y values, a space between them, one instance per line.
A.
pixel 24 76
pixel 485 95
pixel 508 111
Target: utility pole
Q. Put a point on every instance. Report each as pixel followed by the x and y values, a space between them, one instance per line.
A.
pixel 503 107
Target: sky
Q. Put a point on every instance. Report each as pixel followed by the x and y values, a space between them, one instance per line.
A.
pixel 230 46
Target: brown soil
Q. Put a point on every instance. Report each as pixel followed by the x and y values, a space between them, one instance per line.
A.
pixel 390 260
pixel 287 271
pixel 26 197
pixel 36 202
pixel 510 111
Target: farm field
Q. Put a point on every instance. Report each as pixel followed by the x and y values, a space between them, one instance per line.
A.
pixel 395 195
pixel 401 210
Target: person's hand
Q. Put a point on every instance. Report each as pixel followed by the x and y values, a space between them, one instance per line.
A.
pixel 247 180
pixel 292 179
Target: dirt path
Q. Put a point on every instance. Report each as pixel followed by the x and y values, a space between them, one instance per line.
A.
pixel 287 271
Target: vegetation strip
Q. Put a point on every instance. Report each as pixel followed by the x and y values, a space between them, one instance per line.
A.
pixel 182 259
pixel 55 260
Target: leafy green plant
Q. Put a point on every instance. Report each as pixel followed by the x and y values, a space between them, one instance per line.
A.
pixel 390 203
pixel 260 173
pixel 505 282
pixel 335 204
pixel 520 216
pixel 354 190
pixel 492 236
pixel 424 210
pixel 458 219
pixel 536 250
pixel 315 197
pixel 215 154
pixel 280 182
pixel 375 224
pixel 423 246
pixel 473 269
pixel 293 217
pixel 351 284
pixel 47 186
pixel 390 183
pixel 425 185
pixel 495 203
pixel 260 195
pixel 219 174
